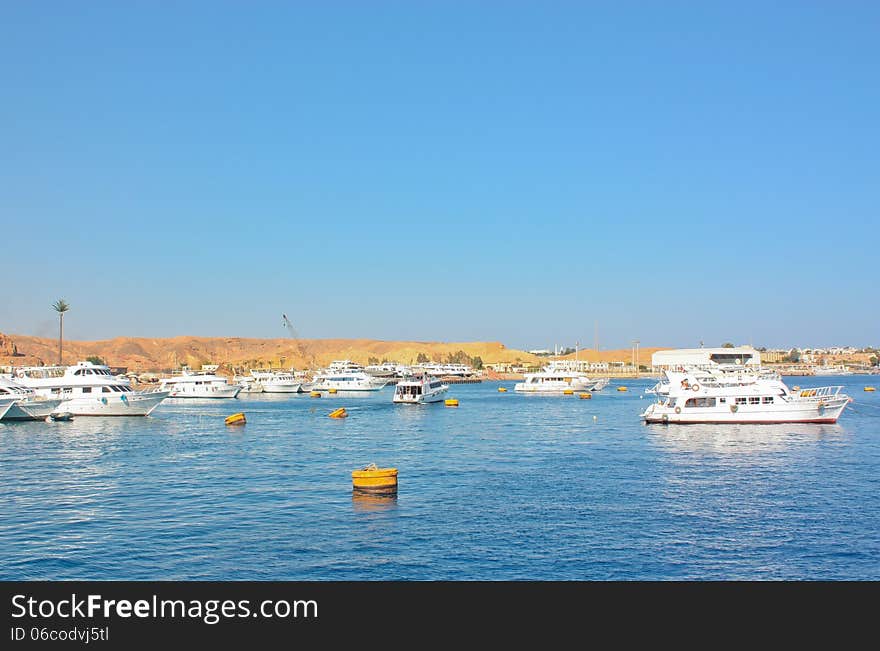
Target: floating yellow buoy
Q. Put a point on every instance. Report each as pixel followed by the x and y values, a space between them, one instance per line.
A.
pixel 339 413
pixel 870 389
pixel 315 394
pixel 502 389
pixel 236 419
pixel 568 392
pixel 331 390
pixel 621 388
pixel 452 402
pixel 585 396
pixel 371 479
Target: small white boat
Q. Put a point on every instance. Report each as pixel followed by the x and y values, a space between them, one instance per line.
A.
pixel 198 385
pixel 418 391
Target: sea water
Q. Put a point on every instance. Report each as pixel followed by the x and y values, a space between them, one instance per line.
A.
pixel 505 486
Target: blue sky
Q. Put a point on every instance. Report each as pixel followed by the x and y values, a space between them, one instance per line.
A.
pixel 443 170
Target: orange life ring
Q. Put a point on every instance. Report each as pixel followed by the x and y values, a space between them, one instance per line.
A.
pixel 733 408
pixel 695 387
pixel 678 410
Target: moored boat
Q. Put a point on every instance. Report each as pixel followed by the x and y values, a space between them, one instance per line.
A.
pixel 418 391
pixel 88 389
pixel 753 399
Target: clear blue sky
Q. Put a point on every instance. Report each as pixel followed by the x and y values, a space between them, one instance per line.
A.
pixel 443 170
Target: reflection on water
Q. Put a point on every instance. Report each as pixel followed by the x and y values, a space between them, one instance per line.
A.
pixel 371 502
pixel 741 439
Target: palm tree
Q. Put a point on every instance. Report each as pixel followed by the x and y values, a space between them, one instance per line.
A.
pixel 61 306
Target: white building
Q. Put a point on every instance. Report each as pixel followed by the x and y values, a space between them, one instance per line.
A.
pixel 706 358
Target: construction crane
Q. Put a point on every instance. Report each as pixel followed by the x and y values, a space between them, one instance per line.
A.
pixel 299 345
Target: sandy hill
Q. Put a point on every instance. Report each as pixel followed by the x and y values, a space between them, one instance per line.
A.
pixel 143 354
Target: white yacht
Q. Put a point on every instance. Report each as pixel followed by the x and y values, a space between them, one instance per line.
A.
pixel 89 390
pixel 418 391
pixel 446 370
pixel 198 385
pixel 556 380
pixel 690 397
pixel 276 381
pixel 352 380
pixel 388 370
pixel 26 405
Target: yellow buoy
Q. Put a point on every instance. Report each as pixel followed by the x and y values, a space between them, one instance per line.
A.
pixel 621 388
pixel 870 389
pixel 331 390
pixel 568 392
pixel 236 419
pixel 502 389
pixel 315 394
pixel 339 413
pixel 451 402
pixel 371 479
pixel 585 396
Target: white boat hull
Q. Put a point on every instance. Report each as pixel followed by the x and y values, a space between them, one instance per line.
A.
pixel 230 391
pixel 134 404
pixel 6 405
pixel 31 409
pixel 795 412
pixel 553 387
pixel 279 387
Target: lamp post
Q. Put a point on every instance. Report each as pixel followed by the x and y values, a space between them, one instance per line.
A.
pixel 635 359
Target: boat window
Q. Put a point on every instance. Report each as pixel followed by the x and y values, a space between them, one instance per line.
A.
pixel 767 400
pixel 722 399
pixel 742 401
pixel 79 372
pixel 105 390
pixel 700 402
pixel 87 389
pixel 754 400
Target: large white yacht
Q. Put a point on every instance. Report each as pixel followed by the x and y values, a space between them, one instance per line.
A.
pixel 551 379
pixel 691 397
pixel 89 390
pixel 276 381
pixel 26 404
pixel 198 385
pixel 418 391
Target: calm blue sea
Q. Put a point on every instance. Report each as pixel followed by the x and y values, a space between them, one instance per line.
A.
pixel 503 487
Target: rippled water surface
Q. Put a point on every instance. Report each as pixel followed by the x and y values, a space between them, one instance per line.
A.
pixel 503 487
